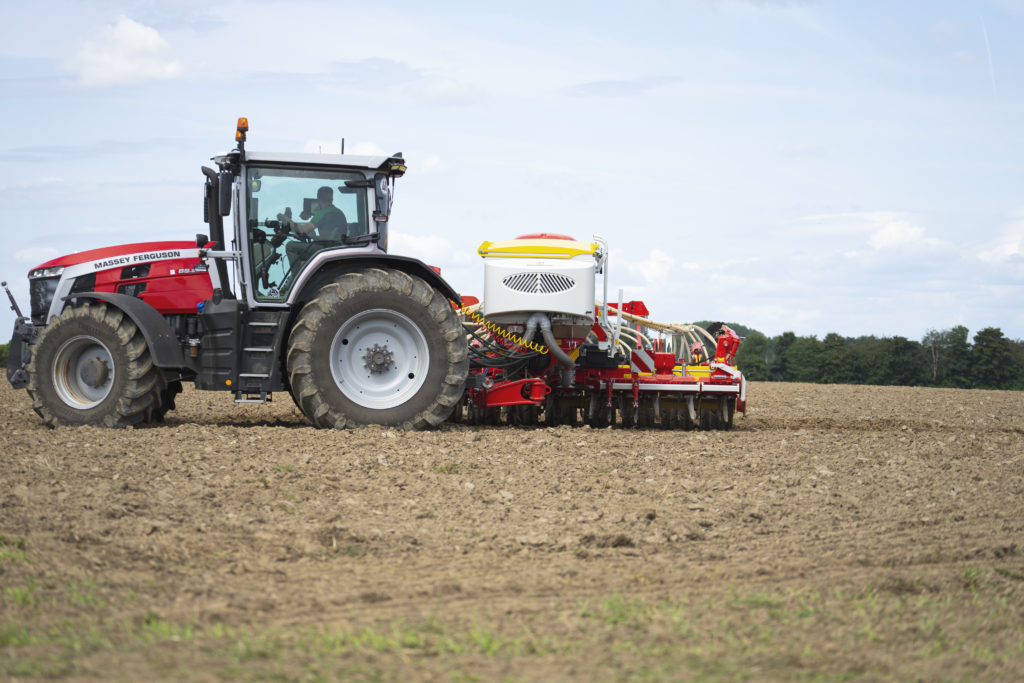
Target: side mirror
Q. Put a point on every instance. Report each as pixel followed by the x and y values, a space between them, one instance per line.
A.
pixel 207 196
pixel 226 178
pixel 382 195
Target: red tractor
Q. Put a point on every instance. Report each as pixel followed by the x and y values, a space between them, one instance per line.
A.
pixel 303 297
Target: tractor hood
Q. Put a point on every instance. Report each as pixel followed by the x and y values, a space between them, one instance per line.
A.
pixel 139 251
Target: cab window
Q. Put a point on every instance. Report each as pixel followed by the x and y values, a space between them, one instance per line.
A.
pixel 293 215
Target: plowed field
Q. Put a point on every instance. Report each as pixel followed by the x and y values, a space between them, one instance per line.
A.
pixel 836 532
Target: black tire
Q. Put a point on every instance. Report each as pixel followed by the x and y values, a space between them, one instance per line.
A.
pixel 91 366
pixel 626 411
pixel 727 409
pixel 708 414
pixel 524 416
pixel 480 417
pixel 163 397
pixel 419 351
pixel 458 415
pixel 645 413
pixel 602 417
pixel 669 417
pixel 685 422
pixel 552 411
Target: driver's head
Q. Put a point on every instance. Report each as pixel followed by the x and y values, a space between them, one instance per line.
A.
pixel 325 196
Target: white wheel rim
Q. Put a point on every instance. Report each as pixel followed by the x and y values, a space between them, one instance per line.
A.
pixel 379 359
pixel 83 372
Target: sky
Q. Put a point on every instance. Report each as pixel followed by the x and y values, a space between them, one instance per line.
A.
pixel 815 167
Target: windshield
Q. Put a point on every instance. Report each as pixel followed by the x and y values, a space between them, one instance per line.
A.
pixel 294 214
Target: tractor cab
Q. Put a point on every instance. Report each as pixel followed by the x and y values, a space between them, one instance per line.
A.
pixel 293 213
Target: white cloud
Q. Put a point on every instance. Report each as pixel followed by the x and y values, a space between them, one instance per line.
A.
pixel 1008 246
pixel 895 233
pixel 655 269
pixel 901 233
pixel 886 230
pixel 125 53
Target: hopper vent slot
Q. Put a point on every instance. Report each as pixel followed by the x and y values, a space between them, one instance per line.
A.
pixel 539 283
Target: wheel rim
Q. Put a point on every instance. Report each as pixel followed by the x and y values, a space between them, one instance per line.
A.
pixel 379 359
pixel 83 372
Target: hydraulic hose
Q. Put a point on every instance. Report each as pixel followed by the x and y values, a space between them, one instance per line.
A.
pixel 549 338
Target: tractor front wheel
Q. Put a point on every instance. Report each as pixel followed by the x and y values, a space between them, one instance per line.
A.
pixel 91 366
pixel 377 347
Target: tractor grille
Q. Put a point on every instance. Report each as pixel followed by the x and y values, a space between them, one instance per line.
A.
pixel 40 294
pixel 539 283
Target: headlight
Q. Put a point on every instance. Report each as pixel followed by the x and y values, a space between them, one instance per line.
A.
pixel 40 294
pixel 46 272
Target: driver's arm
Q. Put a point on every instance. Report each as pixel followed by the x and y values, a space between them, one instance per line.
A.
pixel 304 228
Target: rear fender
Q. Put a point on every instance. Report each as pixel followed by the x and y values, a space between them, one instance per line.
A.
pixel 163 344
pixel 331 266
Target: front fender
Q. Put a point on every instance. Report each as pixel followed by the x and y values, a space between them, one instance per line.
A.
pixel 163 344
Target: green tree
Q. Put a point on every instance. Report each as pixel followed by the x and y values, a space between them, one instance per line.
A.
pixel 870 358
pixel 907 362
pixel 803 359
pixel 752 358
pixel 993 360
pixel 959 370
pixel 835 366
pixel 777 364
pixel 936 346
pixel 1017 350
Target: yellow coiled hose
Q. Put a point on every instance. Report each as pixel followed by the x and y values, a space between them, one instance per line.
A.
pixel 503 333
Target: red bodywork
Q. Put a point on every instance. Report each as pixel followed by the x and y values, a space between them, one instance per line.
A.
pixel 171 284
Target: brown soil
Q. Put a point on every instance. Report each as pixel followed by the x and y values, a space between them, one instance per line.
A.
pixel 246 516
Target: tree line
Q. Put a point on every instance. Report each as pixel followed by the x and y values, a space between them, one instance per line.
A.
pixel 943 358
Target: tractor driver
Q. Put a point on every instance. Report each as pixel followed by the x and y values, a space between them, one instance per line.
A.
pixel 327 225
pixel 328 220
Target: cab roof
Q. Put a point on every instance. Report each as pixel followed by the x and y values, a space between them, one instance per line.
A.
pixel 349 160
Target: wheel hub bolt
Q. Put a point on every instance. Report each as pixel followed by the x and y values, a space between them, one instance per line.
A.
pixel 378 359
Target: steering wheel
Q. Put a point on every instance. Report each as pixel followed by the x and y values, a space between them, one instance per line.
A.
pixel 286 228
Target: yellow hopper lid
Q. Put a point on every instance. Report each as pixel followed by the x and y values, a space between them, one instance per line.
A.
pixel 537 248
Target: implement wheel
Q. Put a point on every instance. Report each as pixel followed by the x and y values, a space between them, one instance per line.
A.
pixel 626 411
pixel 524 416
pixel 91 366
pixel 377 347
pixel 645 414
pixel 726 410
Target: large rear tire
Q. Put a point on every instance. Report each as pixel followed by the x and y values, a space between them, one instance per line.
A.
pixel 377 347
pixel 91 366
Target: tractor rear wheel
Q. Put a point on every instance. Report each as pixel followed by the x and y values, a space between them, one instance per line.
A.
pixel 91 366
pixel 377 347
